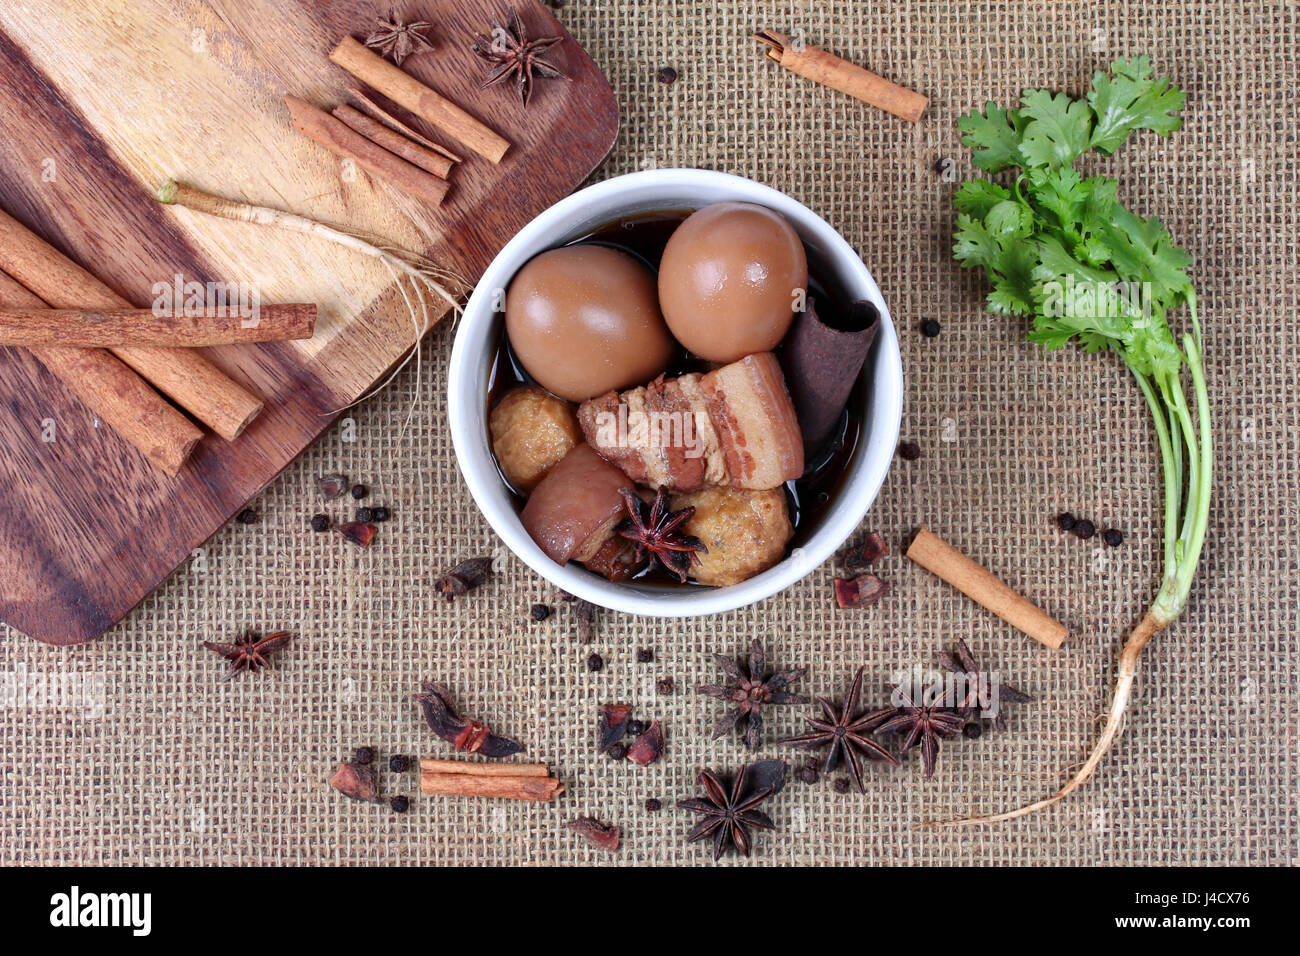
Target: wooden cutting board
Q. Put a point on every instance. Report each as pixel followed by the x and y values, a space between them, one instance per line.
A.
pixel 100 102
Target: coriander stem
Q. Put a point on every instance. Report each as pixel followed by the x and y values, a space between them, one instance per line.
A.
pixel 1201 494
pixel 1172 472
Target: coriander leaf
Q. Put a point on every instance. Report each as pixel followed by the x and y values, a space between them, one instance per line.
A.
pixel 1057 131
pixel 993 136
pixel 972 245
pixel 1013 291
pixel 1063 194
pixel 1132 101
pixel 978 196
pixel 1009 220
pixel 1142 250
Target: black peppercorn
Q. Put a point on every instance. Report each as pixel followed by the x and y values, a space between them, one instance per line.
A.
pixel 909 450
pixel 399 763
pixel 320 522
pixel 359 491
pixel 1065 521
pixel 644 655
pixel 1084 528
pixel 539 612
pixel 617 751
pixel 972 731
pixel 653 805
pixel 365 515
pixel 595 662
pixel 400 804
pixel 665 685
pixel 930 328
pixel 379 514
pixel 1113 538
pixel 667 76
pixel 635 728
pixel 364 755
pixel 247 516
pixel 841 784
pixel 808 774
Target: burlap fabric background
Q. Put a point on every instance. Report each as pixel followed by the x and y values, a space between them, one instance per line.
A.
pixel 131 751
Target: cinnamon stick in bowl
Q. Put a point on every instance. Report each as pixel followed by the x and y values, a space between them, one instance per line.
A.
pixel 102 328
pixel 114 393
pixel 185 376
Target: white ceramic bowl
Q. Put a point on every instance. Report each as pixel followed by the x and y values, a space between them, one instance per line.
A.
pixel 579 214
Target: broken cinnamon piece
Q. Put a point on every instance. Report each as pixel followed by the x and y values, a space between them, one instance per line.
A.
pixel 602 836
pixel 829 70
pixel 110 328
pixel 375 111
pixel 486 785
pixel 862 591
pixel 647 748
pixel 356 781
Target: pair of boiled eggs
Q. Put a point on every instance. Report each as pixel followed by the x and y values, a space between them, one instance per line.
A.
pixel 585 319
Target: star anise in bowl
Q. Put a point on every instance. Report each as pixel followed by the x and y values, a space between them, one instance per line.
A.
pixel 653 528
pixel 749 690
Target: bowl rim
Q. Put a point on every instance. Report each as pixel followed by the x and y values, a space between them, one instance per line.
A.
pixel 472 446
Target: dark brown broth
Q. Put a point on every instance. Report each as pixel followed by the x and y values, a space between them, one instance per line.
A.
pixel 644 236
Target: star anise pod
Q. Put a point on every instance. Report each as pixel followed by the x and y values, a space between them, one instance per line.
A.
pixel 924 723
pixel 749 691
pixel 248 652
pixel 471 736
pixel 983 689
pixel 847 732
pixel 397 40
pixel 512 54
pixel 654 529
pixel 730 812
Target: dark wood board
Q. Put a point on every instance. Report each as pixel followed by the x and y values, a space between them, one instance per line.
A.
pixel 98 107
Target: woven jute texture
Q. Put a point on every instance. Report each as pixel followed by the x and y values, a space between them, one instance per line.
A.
pixel 130 750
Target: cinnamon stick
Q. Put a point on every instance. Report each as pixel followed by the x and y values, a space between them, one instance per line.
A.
pixel 476 785
pixel 347 143
pixel 394 142
pixel 433 765
pixel 936 555
pixel 375 111
pixel 114 393
pixel 182 374
pixel 409 93
pixel 829 70
pixel 100 328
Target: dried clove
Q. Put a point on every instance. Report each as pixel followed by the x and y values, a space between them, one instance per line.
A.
pixel 463 578
pixel 862 591
pixel 470 736
pixel 603 836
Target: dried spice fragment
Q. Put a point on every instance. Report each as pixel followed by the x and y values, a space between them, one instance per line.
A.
pixel 585 614
pixel 613 725
pixel 731 812
pixel 862 591
pixel 358 532
pixel 463 578
pixel 248 652
pixel 749 690
pixel 873 549
pixel 648 747
pixel 356 781
pixel 470 736
pixel 331 486
pixel 602 836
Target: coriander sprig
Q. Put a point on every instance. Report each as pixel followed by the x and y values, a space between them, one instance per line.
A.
pixel 1060 248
